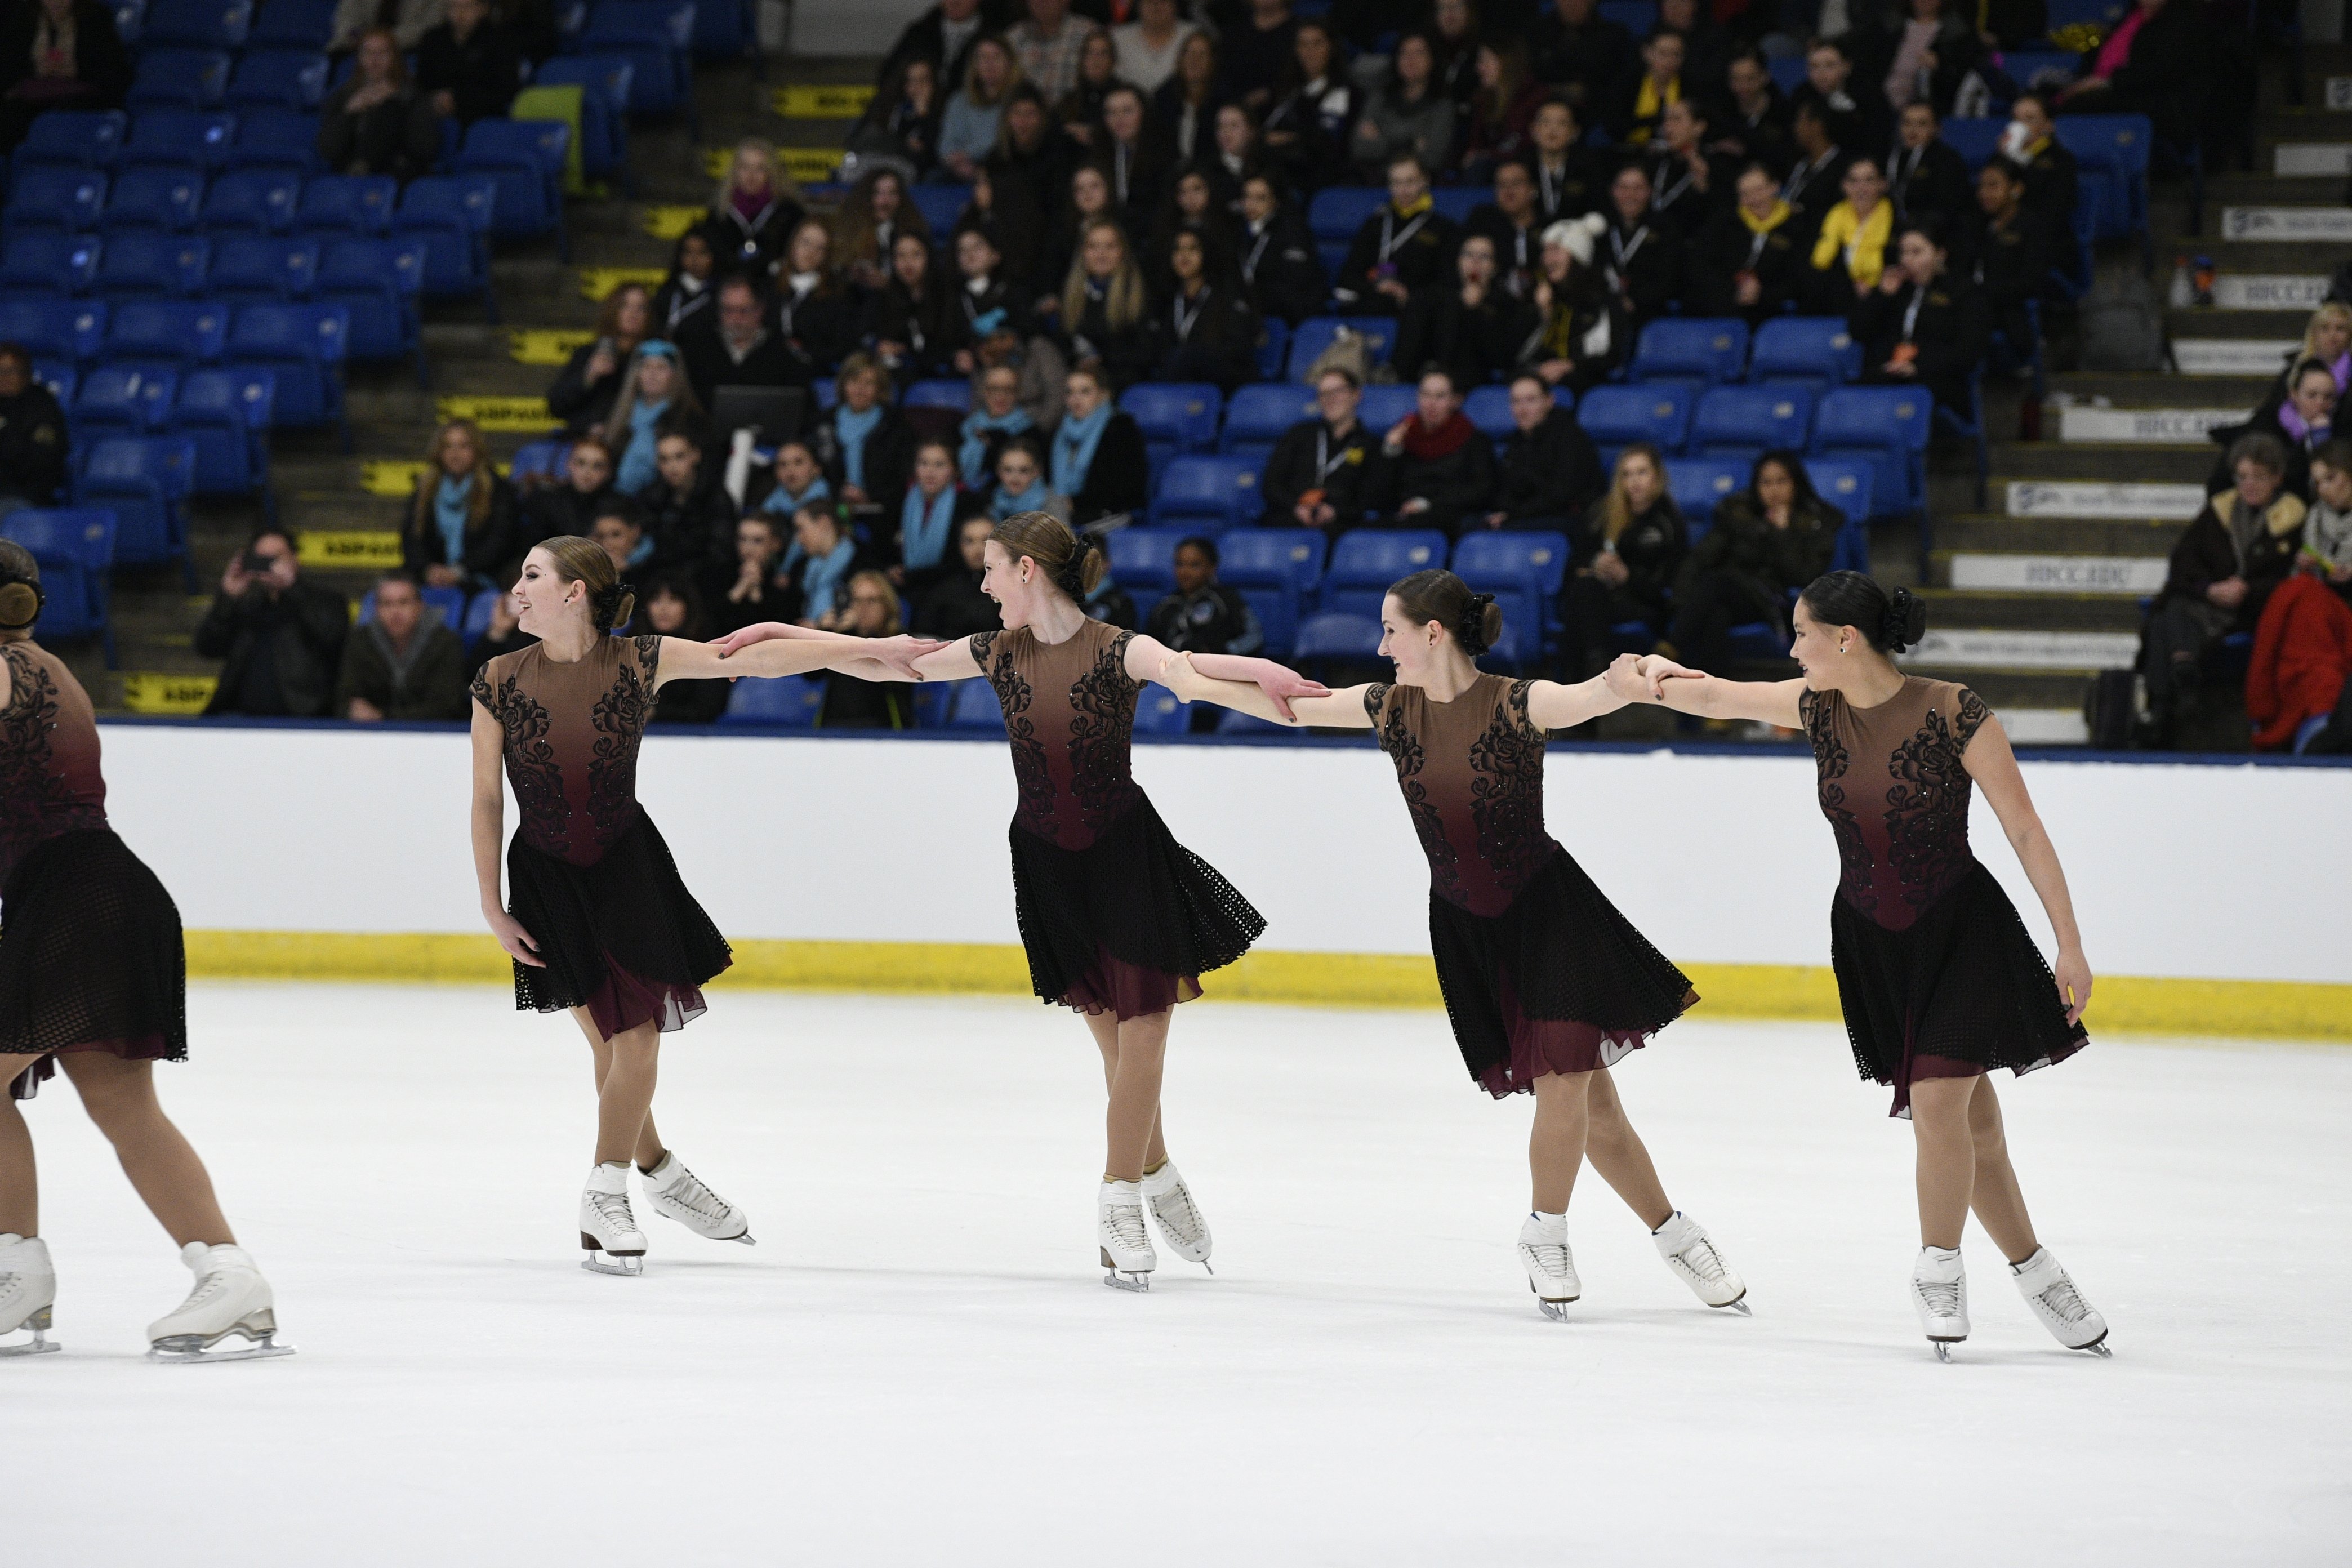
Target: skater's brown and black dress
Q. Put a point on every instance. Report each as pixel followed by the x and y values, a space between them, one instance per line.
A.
pixel 587 873
pixel 1937 975
pixel 90 954
pixel 1541 975
pixel 1116 915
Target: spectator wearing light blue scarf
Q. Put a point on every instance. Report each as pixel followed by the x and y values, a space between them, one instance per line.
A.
pixel 797 481
pixel 822 560
pixel 986 427
pixel 1020 481
pixel 929 516
pixel 864 446
pixel 1099 460
pixel 463 529
pixel 654 398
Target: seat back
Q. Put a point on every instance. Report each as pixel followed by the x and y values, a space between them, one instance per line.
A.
pixel 538 459
pixel 1699 484
pixel 1143 560
pixel 144 262
pixel 1617 417
pixel 379 282
pixel 180 138
pixel 123 398
pixel 226 412
pixel 181 332
pixel 1210 493
pixel 1845 485
pixel 1888 423
pixel 283 79
pixel 293 24
pixel 1350 635
pixel 1260 412
pixel 248 268
pixel 1366 559
pixel 1275 571
pixel 792 700
pixel 1183 415
pixel 198 24
pixel 73 139
pixel 49 259
pixel 1382 406
pixel 1523 571
pixel 1338 211
pixel 451 215
pixel 276 139
pixel 75 549
pixel 1317 334
pixel 179 78
pixel 56 198
pixel 1489 408
pixel 1976 140
pixel 55 328
pixel 1812 351
pixel 1707 349
pixel 347 204
pixel 1746 422
pixel 259 200
pixel 939 393
pixel 154 198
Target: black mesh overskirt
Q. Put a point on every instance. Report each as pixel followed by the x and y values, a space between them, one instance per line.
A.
pixel 1129 924
pixel 1561 982
pixel 622 938
pixel 90 957
pixel 1963 989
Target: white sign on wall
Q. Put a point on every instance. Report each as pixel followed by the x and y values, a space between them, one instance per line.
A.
pixel 2311 158
pixel 2269 291
pixel 2027 650
pixel 2329 223
pixel 2059 573
pixel 2231 356
pixel 2145 426
pixel 2092 499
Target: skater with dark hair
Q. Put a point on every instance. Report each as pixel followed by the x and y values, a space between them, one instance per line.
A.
pixel 1545 983
pixel 1940 980
pixel 93 979
pixel 1119 920
pixel 597 921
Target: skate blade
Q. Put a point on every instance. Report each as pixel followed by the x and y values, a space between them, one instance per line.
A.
pixel 1944 1349
pixel 743 1235
pixel 1556 1310
pixel 1118 1279
pixel 39 1344
pixel 2098 1347
pixel 188 1349
pixel 627 1265
pixel 1739 1307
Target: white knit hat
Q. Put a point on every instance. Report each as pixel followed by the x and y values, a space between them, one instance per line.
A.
pixel 1576 235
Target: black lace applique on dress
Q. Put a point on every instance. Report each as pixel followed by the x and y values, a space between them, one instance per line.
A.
pixel 1102 730
pixel 1404 749
pixel 1506 791
pixel 35 802
pixel 1927 808
pixel 619 719
pixel 532 767
pixel 1374 695
pixel 1033 775
pixel 1831 762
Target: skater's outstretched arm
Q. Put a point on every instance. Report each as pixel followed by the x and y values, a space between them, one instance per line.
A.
pixel 489 818
pixel 1993 765
pixel 1146 655
pixel 1663 681
pixel 923 658
pixel 1552 705
pixel 1323 710
pixel 798 654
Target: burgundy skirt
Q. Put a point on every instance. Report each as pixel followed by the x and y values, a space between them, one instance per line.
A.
pixel 1559 981
pixel 622 938
pixel 90 957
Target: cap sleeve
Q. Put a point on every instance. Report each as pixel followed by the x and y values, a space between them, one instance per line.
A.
pixel 1968 716
pixel 1515 698
pixel 1115 650
pixel 647 650
pixel 983 650
pixel 1376 696
pixel 485 691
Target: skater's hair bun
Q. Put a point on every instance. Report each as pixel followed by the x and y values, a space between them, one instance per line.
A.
pixel 584 561
pixel 1072 561
pixel 1888 621
pixel 1437 595
pixel 20 589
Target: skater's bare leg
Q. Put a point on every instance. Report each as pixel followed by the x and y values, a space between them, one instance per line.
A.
pixel 1947 1162
pixel 20 1192
pixel 1618 1153
pixel 626 1068
pixel 1135 1052
pixel 1104 1027
pixel 1556 1145
pixel 164 1169
pixel 1999 1205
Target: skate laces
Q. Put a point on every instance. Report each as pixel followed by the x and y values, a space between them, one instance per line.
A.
pixel 1700 1259
pixel 1125 1222
pixel 1551 1256
pixel 1942 1297
pixel 1176 1211
pixel 613 1209
pixel 686 1191
pixel 2061 1300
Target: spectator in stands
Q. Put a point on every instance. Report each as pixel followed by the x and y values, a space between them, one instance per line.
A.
pixel 753 593
pixel 1281 276
pixel 402 663
pixel 1020 481
pixel 1202 616
pixel 468 64
pixel 1852 119
pixel 1028 175
pixel 1206 330
pixel 2327 530
pixel 954 606
pixel 1097 461
pixel 1133 165
pixel 1639 266
pixel 986 299
pixel 377 122
pixel 1433 469
pixel 2301 425
pixel 279 638
pixel 1186 104
pixel 572 506
pixel 1090 201
pixel 1662 56
pixel 1570 179
pixel 2008 259
pixel 927 515
pixel 1934 49
pixel 1500 109
pixel 672 607
pixel 1624 558
pixel 794 480
pixel 686 295
pixel 1767 542
pixel 732 346
pixel 405 21
pixel 1550 470
pixel 1754 125
pixel 1190 208
pixel 967 129
pixel 1706 47
pixel 1258 50
pixel 583 390
pixel 2151 64
pixel 621 534
pixel 869 608
pixel 943 37
pixel 654 399
pixel 1408 118
pixel 1924 174
pixel 1402 249
pixel 864 443
pixel 1147 47
pixel 1513 227
pixel 1047 44
pixel 754 211
pixel 2031 141
pixel 1103 310
pixel 33 439
pixel 1590 56
pixel 1749 261
pixel 996 416
pixel 912 325
pixel 686 509
pixel 818 566
pixel 1038 370
pixel 2328 338
pixel 1238 154
pixel 902 122
pixel 1689 182
pixel 1079 114
pixel 2223 571
pixel 464 521
pixel 1851 253
pixel 1923 325
pixel 1811 186
pixel 1454 41
pixel 1472 329
pixel 814 311
pixel 869 222
pixel 1315 475
pixel 1576 339
pixel 1308 127
pixel 58 54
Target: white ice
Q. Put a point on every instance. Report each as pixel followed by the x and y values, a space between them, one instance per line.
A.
pixel 919 1363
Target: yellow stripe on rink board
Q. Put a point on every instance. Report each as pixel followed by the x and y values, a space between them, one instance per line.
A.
pixel 2226 1009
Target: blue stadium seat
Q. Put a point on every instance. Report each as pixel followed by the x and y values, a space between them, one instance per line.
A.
pixel 247 269
pixel 827 392
pixel 179 78
pixel 293 24
pixel 147 263
pixel 1746 422
pixel 198 142
pixel 1234 722
pixel 785 700
pixel 1383 407
pixel 198 24
pixel 1273 348
pixel 1888 426
pixel 153 198
pixel 255 201
pixel 1208 493
pixel 1974 138
pixel 1698 484
pixel 347 204
pixel 974 707
pixel 540 459
pixel 59 377
pixel 1338 211
pixel 278 141
pixel 75 549
pixel 54 328
pixel 226 412
pixel 1489 408
pixel 51 198
pixel 1457 202
pixel 377 280
pixel 50 260
pixel 1815 353
pixel 1617 417
pixel 142 479
pixel 1845 485
pixel 304 344
pixel 1259 414
pixel 1181 416
pixel 1158 713
pixel 945 392
pixel 1523 571
pixel 647 32
pixel 1365 561
pixel 128 16
pixel 1702 350
pixel 1639 17
pixel 2104 15
pixel 278 78
pixel 603 81
pixel 1143 560
pixel 478 611
pixel 1276 570
pixel 1316 334
pixel 452 217
pixel 167 332
pixel 1339 634
pixel 940 205
pixel 526 158
pixel 72 139
pixel 121 399
pixel 2024 65
pixel 2113 152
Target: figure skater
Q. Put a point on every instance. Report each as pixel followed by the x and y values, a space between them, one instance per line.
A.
pixel 1545 983
pixel 599 923
pixel 93 977
pixel 1119 920
pixel 1938 978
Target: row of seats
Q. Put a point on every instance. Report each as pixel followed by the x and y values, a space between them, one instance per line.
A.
pixel 714 29
pixel 302 345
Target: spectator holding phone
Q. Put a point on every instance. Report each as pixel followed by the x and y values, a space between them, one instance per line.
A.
pixel 279 639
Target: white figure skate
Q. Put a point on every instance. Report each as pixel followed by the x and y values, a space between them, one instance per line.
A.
pixel 1690 1252
pixel 1179 1218
pixel 677 1193
pixel 230 1298
pixel 608 1231
pixel 1939 1290
pixel 2043 1280
pixel 28 1289
pixel 1551 1268
pixel 1128 1259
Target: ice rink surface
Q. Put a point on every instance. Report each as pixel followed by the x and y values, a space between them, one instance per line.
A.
pixel 919 1363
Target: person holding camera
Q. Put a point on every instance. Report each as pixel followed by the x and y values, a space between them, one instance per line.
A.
pixel 280 638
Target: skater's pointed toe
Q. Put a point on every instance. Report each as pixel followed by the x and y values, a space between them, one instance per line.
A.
pixel 1172 1206
pixel 678 1193
pixel 1692 1254
pixel 2047 1288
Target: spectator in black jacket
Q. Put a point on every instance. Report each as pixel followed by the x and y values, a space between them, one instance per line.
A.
pixel 1098 458
pixel 2301 423
pixel 1512 227
pixel 754 212
pixel 671 606
pixel 1205 330
pixel 1434 469
pixel 377 122
pixel 954 606
pixel 686 509
pixel 1922 326
pixel 1203 615
pixel 1811 186
pixel 1257 54
pixel 815 317
pixel 468 66
pixel 1400 249
pixel 1551 471
pixel 1924 174
pixel 464 521
pixel 280 638
pixel 902 122
pixel 1625 556
pixel 869 608
pixel 733 345
pixel 1767 542
pixel 1578 334
pixel 583 390
pixel 1571 180
pixel 1133 162
pixel 1474 329
pixel 1105 310
pixel 865 443
pixel 1754 127
pixel 1636 255
pixel 1661 83
pixel 744 589
pixel 1853 117
pixel 574 506
pixel 58 53
pixel 2154 71
pixel 1595 58
pixel 1314 477
pixel 403 663
pixel 1751 261
pixel 944 35
pixel 32 435
pixel 912 324
pixel 2052 176
pixel 1689 181
pixel 1306 129
pixel 985 298
pixel 2008 257
pixel 1281 275
pixel 690 290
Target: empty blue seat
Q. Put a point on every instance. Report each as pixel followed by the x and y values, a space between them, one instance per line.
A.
pixel 1976 139
pixel 452 217
pixel 1338 211
pixel 1143 560
pixel 1348 636
pixel 227 411
pixel 1366 559
pixel 246 268
pixel 261 200
pixel 526 158
pixel 1523 571
pixel 122 400
pixel 1260 412
pixel 59 377
pixel 789 700
pixel 1159 712
pixel 1617 417
pixel 1812 351
pixel 1887 427
pixel 280 140
pixel 187 139
pixel 1276 570
pixel 153 198
pixel 377 280
pixel 940 205
pixel 974 706
pixel 142 479
pixel 198 24
pixel 1702 350
pixel 479 610
pixel 1699 484
pixel 179 78
pixel 649 32
pixel 1746 422
pixel 304 344
pixel 55 328
pixel 49 259
pixel 73 139
pixel 75 549
pixel 278 78
pixel 2113 150
pixel 293 24
pixel 347 204
pixel 55 198
pixel 1317 334
pixel 1182 414
pixel 941 393
pixel 603 81
pixel 1845 485
pixel 1457 202
pixel 167 331
pixel 1382 406
pixel 1638 18
pixel 1208 493
pixel 152 264
pixel 1489 408
pixel 538 459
